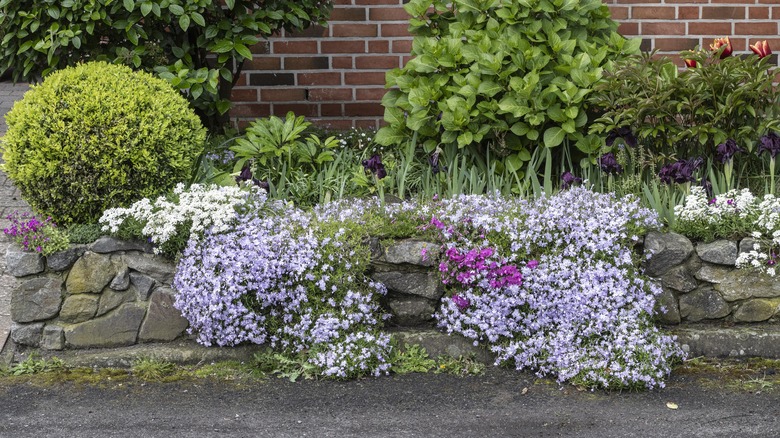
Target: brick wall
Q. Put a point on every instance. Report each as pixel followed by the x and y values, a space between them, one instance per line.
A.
pixel 335 75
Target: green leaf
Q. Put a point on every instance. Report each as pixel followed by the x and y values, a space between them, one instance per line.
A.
pixel 230 4
pixel 184 22
pixel 129 5
pixel 176 9
pixel 222 46
pixel 198 19
pixel 243 51
pixel 146 7
pixel 388 135
pixel 554 136
pixel 53 12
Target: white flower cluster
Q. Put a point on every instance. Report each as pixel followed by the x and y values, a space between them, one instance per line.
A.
pixel 697 207
pixel 206 206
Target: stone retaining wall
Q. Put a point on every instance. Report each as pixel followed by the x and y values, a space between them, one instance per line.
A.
pixel 115 293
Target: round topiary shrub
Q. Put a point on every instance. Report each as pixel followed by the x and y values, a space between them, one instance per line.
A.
pixel 97 136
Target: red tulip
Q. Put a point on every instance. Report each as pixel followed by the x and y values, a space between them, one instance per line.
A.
pixel 691 63
pixel 761 49
pixel 720 42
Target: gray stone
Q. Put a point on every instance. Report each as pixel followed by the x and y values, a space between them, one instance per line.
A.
pixel 27 334
pixel 117 328
pixel 79 308
pixel 107 244
pixel 90 274
pixel 411 251
pixel 375 246
pixel 703 304
pixel 37 299
pixel 21 263
pixel 720 252
pixel 746 341
pixel 437 344
pixel 679 279
pixel 143 285
pixel 110 299
pixel 756 310
pixel 122 279
pixel 713 273
pixel 62 260
pixel 154 267
pixel 665 250
pixel 163 322
pixel 740 284
pixel 53 338
pixel 421 284
pixel 411 311
pixel 666 307
pixel 747 244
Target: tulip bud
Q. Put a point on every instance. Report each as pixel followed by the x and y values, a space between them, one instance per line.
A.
pixel 691 63
pixel 722 42
pixel 761 49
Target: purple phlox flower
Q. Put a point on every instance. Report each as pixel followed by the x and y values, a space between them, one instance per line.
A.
pixel 609 164
pixel 727 150
pixel 461 302
pixel 772 259
pixel 436 166
pixel 680 171
pixel 770 143
pixel 437 223
pixel 375 166
pixel 532 264
pixel 623 133
pixel 569 180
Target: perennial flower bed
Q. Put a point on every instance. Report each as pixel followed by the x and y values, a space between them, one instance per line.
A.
pixel 551 285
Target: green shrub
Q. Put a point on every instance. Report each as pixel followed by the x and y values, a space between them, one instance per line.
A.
pixel 500 77
pixel 97 136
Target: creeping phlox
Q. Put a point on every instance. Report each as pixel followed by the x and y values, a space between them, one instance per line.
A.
pixel 735 213
pixel 551 285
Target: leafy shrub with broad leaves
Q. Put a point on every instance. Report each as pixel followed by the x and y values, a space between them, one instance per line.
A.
pixel 491 75
pixel 97 136
pixel 199 46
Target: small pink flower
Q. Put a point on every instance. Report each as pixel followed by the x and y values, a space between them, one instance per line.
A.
pixel 532 264
pixel 462 303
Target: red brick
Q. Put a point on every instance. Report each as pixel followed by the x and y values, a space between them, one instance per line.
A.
pixel 243 95
pixel 688 13
pixel 363 109
pixel 388 14
pixel 353 30
pixel 261 48
pixel 759 28
pixel 331 110
pixel 758 13
pixel 367 124
pixel 343 47
pixel 306 63
pixel 333 123
pixel 770 2
pixel 653 13
pixel 374 94
pixel 264 63
pixel 271 79
pixel 300 109
pixel 378 46
pixel 631 2
pixel 723 12
pixel 330 94
pixel 628 28
pixel 377 62
pixel 329 78
pixel 675 44
pixel 242 80
pixel 282 95
pixel 364 78
pixel 394 30
pixel 342 62
pixel 338 3
pixel 619 12
pixel 250 110
pixel 406 59
pixel 295 47
pixel 402 46
pixel 315 31
pixel 379 2
pixel 667 28
pixel 710 28
pixel 347 14
pixel 690 1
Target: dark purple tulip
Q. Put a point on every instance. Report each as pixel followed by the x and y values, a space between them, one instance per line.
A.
pixel 436 166
pixel 374 165
pixel 569 180
pixel 707 188
pixel 624 133
pixel 680 171
pixel 246 175
pixel 727 150
pixel 770 143
pixel 462 303
pixel 609 164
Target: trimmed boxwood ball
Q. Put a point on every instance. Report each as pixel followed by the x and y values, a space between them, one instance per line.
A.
pixel 97 136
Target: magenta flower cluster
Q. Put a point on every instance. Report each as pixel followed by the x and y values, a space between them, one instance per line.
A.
pixel 29 231
pixel 469 268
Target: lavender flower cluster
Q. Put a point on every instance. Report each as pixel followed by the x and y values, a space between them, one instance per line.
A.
pixel 291 281
pixel 578 308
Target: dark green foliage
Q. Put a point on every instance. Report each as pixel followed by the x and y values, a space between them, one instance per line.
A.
pixel 198 45
pixel 499 77
pixel 84 233
pixel 98 136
